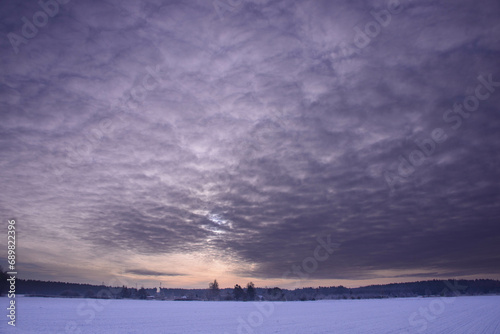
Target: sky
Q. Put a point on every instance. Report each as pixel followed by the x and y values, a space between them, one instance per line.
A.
pixel 289 143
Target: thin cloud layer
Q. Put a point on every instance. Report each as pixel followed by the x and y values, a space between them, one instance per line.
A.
pixel 241 134
pixel 145 272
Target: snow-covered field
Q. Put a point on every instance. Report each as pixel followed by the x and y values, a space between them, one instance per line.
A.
pixel 479 314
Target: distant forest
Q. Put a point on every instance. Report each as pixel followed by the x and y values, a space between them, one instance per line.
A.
pixel 448 288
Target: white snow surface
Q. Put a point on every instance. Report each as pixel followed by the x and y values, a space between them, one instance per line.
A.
pixel 475 314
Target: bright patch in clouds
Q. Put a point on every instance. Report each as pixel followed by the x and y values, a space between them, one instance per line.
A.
pixel 154 139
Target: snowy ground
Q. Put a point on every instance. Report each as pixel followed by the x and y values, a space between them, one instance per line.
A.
pixel 479 314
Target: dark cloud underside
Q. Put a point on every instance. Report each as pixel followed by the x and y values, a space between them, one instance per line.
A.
pixel 162 127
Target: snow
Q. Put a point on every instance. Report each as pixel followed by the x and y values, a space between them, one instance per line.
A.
pixel 474 314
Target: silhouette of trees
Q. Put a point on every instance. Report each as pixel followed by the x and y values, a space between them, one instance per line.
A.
pixel 238 292
pixel 69 293
pixel 450 288
pixel 214 290
pixel 275 294
pixel 251 291
pixel 125 292
pixel 142 293
pixel 4 285
pixel 89 294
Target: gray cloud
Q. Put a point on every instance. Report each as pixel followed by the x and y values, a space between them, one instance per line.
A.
pixel 255 133
pixel 145 272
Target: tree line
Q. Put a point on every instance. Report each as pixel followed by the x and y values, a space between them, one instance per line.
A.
pixel 250 292
pixel 238 293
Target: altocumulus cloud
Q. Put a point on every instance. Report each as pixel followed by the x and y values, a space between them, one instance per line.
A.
pixel 156 128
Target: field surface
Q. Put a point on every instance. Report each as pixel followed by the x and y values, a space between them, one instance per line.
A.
pixel 478 314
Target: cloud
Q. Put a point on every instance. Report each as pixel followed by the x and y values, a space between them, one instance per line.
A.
pixel 145 272
pixel 156 128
